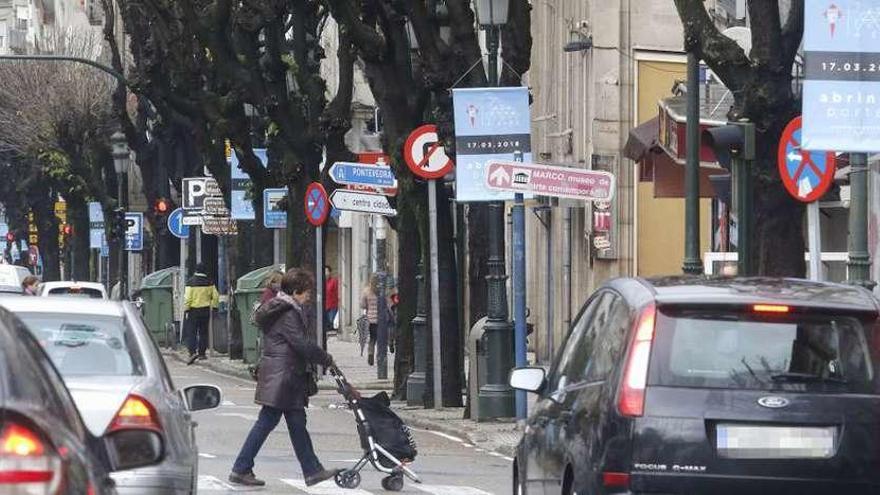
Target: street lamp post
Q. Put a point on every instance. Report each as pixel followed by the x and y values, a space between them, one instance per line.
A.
pixel 495 397
pixel 121 160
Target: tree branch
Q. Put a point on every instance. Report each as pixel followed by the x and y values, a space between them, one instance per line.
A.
pixel 721 53
pixel 792 32
pixel 766 34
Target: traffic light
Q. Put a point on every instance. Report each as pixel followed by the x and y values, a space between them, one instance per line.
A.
pixel 161 207
pixel 735 140
pixel 68 230
pixel 119 225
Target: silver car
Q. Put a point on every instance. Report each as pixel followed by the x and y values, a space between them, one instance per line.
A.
pixel 118 378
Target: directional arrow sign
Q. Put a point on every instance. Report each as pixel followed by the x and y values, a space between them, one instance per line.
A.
pixel 360 174
pixel 361 202
pixel 546 180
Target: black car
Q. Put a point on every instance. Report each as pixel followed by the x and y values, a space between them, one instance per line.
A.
pixel 44 446
pixel 709 386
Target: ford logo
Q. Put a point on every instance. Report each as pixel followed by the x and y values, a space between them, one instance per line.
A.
pixel 773 402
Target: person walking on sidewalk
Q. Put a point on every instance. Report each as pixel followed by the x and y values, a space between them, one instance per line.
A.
pixel 331 298
pixel 200 298
pixel 286 379
pixel 370 309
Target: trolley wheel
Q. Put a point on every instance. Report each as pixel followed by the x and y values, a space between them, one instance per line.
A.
pixel 349 479
pixel 393 483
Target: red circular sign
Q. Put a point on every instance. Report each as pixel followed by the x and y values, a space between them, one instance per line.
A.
pixel 424 154
pixel 806 175
pixel 317 205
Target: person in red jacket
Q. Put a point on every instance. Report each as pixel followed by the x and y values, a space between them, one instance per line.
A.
pixel 331 298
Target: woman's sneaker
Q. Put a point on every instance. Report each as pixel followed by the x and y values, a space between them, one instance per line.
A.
pixel 246 479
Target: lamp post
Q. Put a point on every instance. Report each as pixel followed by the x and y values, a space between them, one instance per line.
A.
pixel 121 160
pixel 495 397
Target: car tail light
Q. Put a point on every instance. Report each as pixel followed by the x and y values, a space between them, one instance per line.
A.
pixel 135 413
pixel 631 400
pixel 615 480
pixel 28 465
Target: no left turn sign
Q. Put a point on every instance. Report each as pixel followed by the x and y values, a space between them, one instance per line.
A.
pixel 424 154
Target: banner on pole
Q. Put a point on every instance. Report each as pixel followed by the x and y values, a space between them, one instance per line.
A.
pixel 490 124
pixel 96 225
pixel 242 206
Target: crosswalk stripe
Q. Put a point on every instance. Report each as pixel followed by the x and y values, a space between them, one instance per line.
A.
pixel 324 488
pixel 451 490
pixel 208 483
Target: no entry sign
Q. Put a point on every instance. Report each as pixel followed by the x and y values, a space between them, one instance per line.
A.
pixel 424 154
pixel 316 204
pixel 807 175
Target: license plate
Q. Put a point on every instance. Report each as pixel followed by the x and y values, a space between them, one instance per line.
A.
pixel 775 442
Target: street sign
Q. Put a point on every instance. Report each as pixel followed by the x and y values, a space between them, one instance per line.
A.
pixel 547 180
pixel 242 207
pixel 134 231
pixel 362 174
pixel 361 202
pixel 317 206
pixel 373 158
pixel 490 124
pixel 424 154
pixel 176 226
pixel 273 216
pixel 806 175
pixel 96 225
pixel 219 225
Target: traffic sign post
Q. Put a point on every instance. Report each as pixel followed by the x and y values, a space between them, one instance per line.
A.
pixel 376 176
pixel 317 209
pixel 807 176
pixel 427 158
pixel 345 200
pixel 176 225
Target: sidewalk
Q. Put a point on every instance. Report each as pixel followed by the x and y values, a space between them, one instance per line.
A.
pixel 492 436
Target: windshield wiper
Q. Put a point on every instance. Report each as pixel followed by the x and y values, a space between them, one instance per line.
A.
pixel 791 376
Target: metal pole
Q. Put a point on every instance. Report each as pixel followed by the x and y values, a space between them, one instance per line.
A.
pixel 198 243
pixel 415 384
pixel 814 233
pixel 228 267
pixel 123 253
pixel 566 269
pixel 319 286
pixel 859 262
pixel 519 294
pixel 184 252
pixel 548 218
pixel 435 295
pixel 382 323
pixel 276 246
pixel 692 264
pixel 495 398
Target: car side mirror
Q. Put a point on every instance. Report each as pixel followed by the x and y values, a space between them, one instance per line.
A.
pixel 529 379
pixel 132 449
pixel 201 397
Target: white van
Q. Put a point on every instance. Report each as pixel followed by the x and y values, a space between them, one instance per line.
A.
pixel 11 277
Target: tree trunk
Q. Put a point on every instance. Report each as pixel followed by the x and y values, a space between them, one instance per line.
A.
pixel 47 226
pixel 477 262
pixel 78 217
pixel 407 269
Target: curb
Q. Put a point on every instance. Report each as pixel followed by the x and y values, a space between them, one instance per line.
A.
pixel 246 375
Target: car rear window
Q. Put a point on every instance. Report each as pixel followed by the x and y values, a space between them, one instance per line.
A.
pixel 86 345
pixel 77 292
pixel 751 351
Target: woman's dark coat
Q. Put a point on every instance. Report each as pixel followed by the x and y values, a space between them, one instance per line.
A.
pixel 289 353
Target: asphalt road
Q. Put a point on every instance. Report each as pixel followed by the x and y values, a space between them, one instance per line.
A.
pixel 447 465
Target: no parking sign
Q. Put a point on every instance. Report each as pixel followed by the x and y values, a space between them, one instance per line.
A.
pixel 807 175
pixel 317 205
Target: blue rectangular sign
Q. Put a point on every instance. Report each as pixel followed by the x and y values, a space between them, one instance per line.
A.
pixel 241 206
pixel 96 225
pixel 842 76
pixel 490 124
pixel 134 231
pixel 274 217
pixel 360 174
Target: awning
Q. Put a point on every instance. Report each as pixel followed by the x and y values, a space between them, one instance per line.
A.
pixel 642 139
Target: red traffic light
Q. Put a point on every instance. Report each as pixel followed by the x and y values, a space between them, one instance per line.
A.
pixel 68 229
pixel 162 206
pixel 10 237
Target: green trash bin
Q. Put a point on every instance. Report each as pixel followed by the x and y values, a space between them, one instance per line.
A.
pixel 157 291
pixel 248 289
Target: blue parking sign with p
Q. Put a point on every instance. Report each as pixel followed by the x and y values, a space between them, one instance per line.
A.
pixel 134 231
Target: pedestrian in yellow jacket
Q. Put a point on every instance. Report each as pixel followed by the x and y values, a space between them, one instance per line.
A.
pixel 200 297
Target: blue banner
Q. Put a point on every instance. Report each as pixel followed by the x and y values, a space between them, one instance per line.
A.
pixel 842 76
pixel 96 225
pixel 490 124
pixel 242 207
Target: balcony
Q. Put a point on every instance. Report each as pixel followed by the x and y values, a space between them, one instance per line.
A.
pixel 18 40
